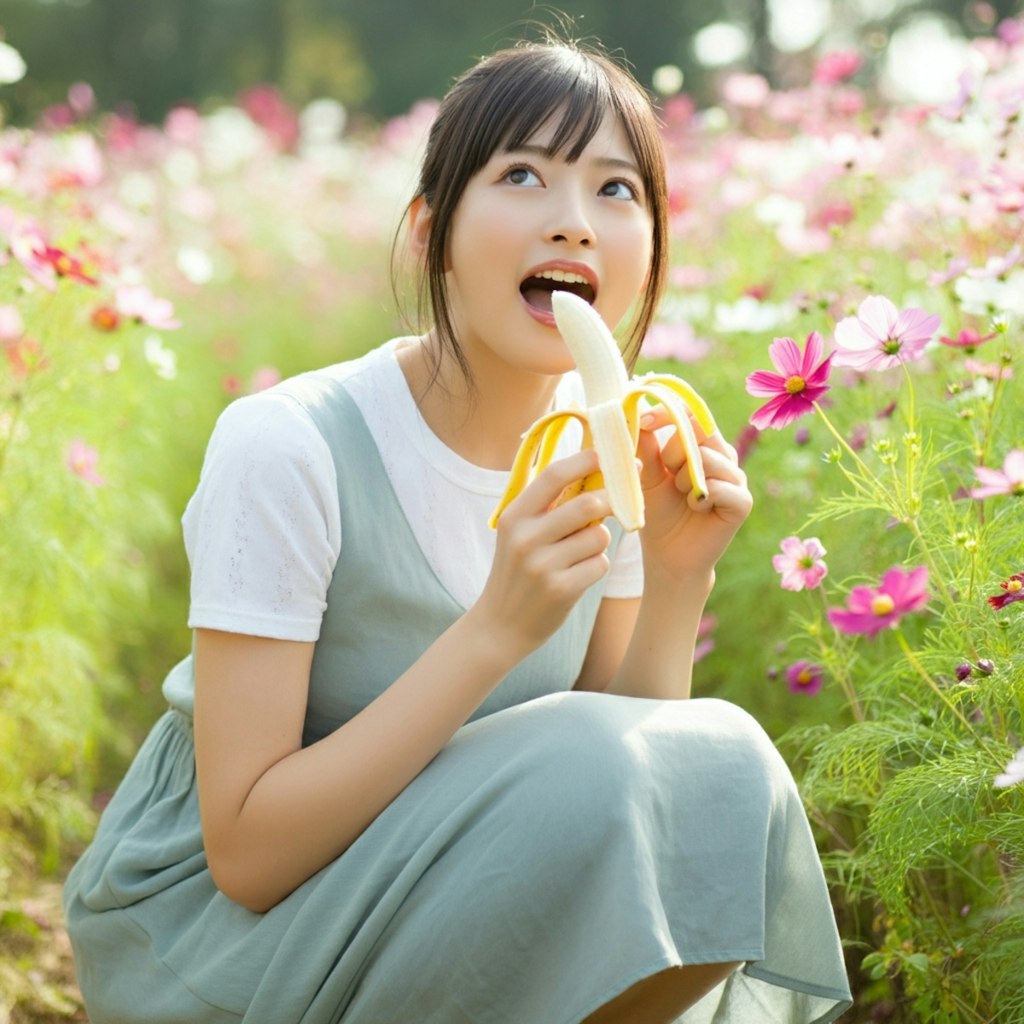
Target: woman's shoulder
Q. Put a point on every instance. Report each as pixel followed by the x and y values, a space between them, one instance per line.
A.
pixel 280 415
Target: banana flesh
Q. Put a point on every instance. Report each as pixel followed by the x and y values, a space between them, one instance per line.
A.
pixel 611 421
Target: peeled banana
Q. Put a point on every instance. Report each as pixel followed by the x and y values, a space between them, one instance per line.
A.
pixel 611 421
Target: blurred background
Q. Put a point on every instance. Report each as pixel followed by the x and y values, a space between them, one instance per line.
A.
pixel 378 58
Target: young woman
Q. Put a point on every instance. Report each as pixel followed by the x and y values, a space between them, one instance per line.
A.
pixel 416 770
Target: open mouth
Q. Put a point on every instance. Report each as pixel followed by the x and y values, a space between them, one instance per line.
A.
pixel 537 289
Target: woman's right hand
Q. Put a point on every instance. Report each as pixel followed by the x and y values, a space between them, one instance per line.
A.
pixel 545 557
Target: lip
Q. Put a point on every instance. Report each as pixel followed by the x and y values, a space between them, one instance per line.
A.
pixel 571 266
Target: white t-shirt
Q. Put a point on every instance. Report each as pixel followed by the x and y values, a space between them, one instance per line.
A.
pixel 263 529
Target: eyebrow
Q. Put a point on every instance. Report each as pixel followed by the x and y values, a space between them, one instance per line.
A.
pixel 614 162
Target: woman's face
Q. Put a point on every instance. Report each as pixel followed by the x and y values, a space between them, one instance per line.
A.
pixel 529 223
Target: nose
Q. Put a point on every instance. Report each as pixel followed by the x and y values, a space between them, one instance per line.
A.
pixel 570 222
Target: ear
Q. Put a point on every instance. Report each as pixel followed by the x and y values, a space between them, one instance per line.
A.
pixel 420 222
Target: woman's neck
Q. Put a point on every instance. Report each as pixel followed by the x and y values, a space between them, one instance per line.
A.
pixel 482 422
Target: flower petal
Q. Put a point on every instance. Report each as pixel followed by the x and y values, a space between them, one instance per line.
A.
pixel 765 383
pixel 878 315
pixel 786 355
pixel 850 335
pixel 1013 465
pixel 916 325
pixel 812 354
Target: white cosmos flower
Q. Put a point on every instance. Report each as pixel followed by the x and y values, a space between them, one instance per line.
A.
pixel 1014 773
pixel 748 315
pixel 162 359
pixel 12 65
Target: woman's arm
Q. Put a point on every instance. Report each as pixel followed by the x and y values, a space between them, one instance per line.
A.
pixel 274 813
pixel 613 626
pixel 682 541
pixel 645 648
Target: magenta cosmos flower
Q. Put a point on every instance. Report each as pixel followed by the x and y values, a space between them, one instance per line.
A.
pixel 799 383
pixel 881 336
pixel 869 611
pixel 1013 590
pixel 800 563
pixel 1008 481
pixel 804 677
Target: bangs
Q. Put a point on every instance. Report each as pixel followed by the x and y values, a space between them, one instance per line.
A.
pixel 578 97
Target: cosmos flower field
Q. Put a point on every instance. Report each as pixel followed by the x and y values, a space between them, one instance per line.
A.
pixel 847 292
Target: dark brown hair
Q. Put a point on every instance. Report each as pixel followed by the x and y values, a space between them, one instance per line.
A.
pixel 501 102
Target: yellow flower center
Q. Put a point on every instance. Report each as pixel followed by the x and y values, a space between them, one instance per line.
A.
pixel 1014 587
pixel 882 604
pixel 805 678
pixel 795 384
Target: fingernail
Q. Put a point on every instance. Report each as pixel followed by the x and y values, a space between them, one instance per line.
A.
pixel 646 421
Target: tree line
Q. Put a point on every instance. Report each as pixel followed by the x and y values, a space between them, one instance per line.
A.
pixel 377 58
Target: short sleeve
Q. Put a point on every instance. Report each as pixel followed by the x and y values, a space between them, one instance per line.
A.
pixel 626 573
pixel 263 529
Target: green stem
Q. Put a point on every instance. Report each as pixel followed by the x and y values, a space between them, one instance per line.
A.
pixel 861 465
pixel 843 677
pixel 997 391
pixel 933 567
pixel 910 503
pixel 923 673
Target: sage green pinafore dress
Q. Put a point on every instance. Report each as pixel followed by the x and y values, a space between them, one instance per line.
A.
pixel 562 846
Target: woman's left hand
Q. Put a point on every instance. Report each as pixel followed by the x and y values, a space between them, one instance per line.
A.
pixel 683 536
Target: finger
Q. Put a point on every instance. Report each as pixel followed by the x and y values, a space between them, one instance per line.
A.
pixel 717 466
pixel 541 493
pixel 730 501
pixel 656 418
pixel 585 509
pixel 673 449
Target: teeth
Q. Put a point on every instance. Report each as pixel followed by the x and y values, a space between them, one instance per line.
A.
pixel 612 418
pixel 563 276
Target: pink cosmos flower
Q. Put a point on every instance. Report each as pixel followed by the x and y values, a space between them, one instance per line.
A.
pixel 1013 590
pixel 81 459
pixel 264 377
pixel 746 90
pixel 999 266
pixel 869 611
pixel 25 356
pixel 29 246
pixel 991 371
pixel 1014 773
pixel 804 677
pixel 800 563
pixel 800 382
pixel 1010 480
pixel 954 269
pixel 967 338
pixel 674 341
pixel 880 336
pixel 837 67
pixel 137 302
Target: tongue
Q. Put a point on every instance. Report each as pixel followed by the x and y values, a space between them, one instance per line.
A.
pixel 538 297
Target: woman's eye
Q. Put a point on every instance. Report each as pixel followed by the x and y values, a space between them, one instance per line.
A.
pixel 522 176
pixel 619 190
